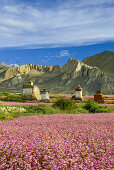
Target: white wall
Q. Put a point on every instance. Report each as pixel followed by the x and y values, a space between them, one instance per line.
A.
pixel 79 94
pixel 45 96
pixel 27 91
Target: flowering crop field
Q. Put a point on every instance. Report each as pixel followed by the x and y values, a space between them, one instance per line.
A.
pixel 61 141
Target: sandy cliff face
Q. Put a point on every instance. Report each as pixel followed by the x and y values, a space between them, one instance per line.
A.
pixel 58 79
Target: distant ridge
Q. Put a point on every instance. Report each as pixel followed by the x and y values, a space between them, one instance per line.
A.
pixel 104 61
pixel 3 64
pixel 13 65
pixel 57 79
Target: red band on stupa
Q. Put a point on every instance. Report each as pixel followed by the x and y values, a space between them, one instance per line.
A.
pixel 78 89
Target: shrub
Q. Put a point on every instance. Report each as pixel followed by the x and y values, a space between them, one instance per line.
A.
pixel 40 109
pixel 65 104
pixel 4 94
pixel 14 98
pixel 6 116
pixel 45 109
pixel 94 107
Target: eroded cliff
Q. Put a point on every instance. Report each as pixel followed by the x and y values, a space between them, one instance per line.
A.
pixel 58 79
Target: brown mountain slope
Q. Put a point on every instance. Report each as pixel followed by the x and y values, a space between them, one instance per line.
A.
pixel 104 61
pixel 58 79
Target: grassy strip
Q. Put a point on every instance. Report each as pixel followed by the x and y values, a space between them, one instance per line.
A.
pixel 5 96
pixel 109 102
pixel 108 98
pixel 39 110
pixel 112 109
pixel 56 98
pixel 62 106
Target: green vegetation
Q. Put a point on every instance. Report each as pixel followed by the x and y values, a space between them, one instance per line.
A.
pixel 108 98
pixel 56 98
pixel 10 112
pixel 40 109
pixel 63 105
pixel 5 116
pixel 5 96
pixel 109 102
pixel 94 107
pixel 69 106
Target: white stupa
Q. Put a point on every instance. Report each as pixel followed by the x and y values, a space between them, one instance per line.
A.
pixel 78 93
pixel 44 95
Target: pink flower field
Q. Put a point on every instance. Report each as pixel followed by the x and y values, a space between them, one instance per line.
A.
pixel 61 141
pixel 105 104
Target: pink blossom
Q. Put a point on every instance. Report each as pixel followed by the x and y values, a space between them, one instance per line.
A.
pixel 59 141
pixel 105 104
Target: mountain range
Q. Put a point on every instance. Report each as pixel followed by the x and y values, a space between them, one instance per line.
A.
pixel 93 73
pixel 11 65
pixel 104 61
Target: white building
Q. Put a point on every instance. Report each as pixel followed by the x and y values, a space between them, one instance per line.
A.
pixel 45 94
pixel 78 93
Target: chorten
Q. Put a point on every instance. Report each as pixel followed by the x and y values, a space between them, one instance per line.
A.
pixel 98 97
pixel 45 95
pixel 30 92
pixel 78 95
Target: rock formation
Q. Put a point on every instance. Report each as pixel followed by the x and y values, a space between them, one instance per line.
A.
pixel 58 79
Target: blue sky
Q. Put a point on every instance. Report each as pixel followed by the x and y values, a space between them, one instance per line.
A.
pixel 49 32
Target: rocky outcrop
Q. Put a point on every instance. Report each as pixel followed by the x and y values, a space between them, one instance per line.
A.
pixel 59 79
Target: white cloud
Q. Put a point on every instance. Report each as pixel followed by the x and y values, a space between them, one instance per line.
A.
pixel 11 9
pixel 13 23
pixel 71 23
pixel 64 53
